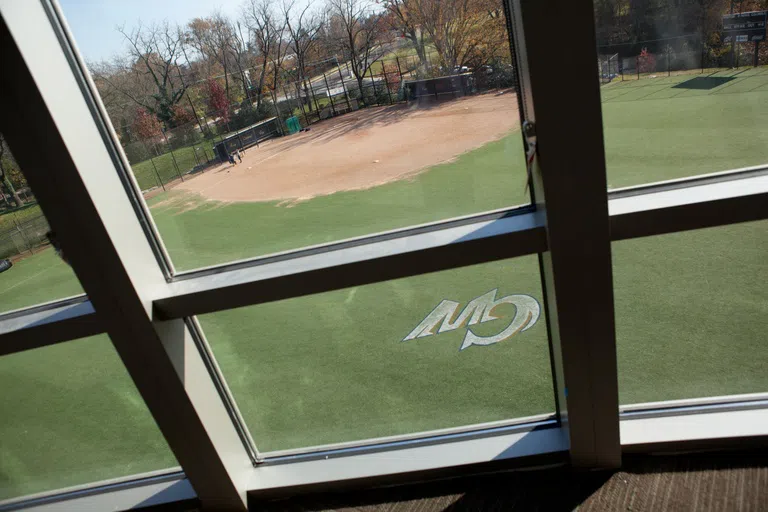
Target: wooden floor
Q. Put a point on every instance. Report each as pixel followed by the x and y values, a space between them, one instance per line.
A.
pixel 711 481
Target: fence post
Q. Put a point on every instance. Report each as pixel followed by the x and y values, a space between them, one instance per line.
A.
pixel 314 98
pixel 341 77
pixel 301 103
pixel 669 73
pixel 373 82
pixel 173 157
pixel 277 111
pixel 702 58
pixel 194 150
pixel 399 69
pixel 386 82
pixel 19 250
pixel 757 50
pixel 156 173
pixel 328 89
pixel 21 233
pixel 637 66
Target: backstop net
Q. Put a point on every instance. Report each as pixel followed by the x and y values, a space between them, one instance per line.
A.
pixel 608 66
pixel 248 137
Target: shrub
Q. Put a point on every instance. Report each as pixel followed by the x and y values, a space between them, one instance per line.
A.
pixel 646 61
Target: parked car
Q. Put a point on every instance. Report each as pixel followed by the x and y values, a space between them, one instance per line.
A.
pixel 5 265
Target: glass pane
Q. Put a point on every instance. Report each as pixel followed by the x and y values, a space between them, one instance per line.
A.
pixel 30 270
pixel 692 313
pixel 453 348
pixel 332 145
pixel 72 416
pixel 683 94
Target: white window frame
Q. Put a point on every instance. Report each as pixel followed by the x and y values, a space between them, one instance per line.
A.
pixel 134 294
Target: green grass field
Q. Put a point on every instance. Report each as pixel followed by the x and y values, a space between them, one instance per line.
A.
pixel 163 167
pixel 691 308
pixel 9 219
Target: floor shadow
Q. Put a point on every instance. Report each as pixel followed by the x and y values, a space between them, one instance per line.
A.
pixel 550 490
pixel 726 480
pixel 704 83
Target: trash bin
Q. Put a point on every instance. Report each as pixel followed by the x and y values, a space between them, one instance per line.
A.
pixel 293 124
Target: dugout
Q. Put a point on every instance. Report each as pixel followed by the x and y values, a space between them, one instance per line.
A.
pixel 453 85
pixel 247 137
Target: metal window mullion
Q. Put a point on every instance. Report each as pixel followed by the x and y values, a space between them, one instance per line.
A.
pixel 570 182
pixel 48 324
pixel 366 263
pixel 82 196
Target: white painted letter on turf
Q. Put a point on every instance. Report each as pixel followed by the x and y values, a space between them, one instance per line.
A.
pixel 479 310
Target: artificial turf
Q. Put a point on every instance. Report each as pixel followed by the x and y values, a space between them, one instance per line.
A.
pixel 691 308
pixel 661 128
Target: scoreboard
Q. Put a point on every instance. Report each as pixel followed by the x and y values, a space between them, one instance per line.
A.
pixel 744 27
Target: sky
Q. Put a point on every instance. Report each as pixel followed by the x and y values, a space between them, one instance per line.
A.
pixel 93 22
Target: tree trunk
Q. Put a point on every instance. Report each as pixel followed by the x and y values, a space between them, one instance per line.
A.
pixel 246 88
pixel 13 193
pixel 306 93
pixel 360 87
pixel 418 45
pixel 261 84
pixel 226 82
pixel 5 199
pixel 303 81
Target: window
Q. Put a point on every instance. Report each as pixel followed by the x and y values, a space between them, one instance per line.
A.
pixel 419 354
pixel 328 140
pixel 679 96
pixel 31 272
pixel 442 323
pixel 690 313
pixel 81 423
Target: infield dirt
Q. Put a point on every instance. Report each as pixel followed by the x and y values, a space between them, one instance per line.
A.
pixel 360 150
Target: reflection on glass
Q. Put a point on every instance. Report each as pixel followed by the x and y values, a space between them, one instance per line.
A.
pixel 681 96
pixel 72 416
pixel 692 313
pixel 30 271
pixel 270 136
pixel 442 350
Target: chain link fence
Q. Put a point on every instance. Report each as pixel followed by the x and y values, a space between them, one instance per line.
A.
pixel 335 90
pixel 682 54
pixel 26 236
pixel 171 155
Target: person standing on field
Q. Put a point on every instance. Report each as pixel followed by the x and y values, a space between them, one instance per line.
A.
pixel 237 154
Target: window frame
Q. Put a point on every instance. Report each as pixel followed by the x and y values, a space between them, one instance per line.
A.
pixel 146 307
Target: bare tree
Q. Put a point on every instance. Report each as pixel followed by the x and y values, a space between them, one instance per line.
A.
pixel 355 28
pixel 211 38
pixel 148 76
pixel 5 160
pixel 267 29
pixel 403 16
pixel 452 26
pixel 239 48
pixel 302 26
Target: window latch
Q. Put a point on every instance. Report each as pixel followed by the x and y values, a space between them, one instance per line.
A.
pixel 529 132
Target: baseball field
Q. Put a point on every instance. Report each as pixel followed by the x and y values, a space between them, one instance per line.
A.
pixel 691 308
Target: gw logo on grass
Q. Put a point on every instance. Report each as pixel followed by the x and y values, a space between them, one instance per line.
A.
pixel 479 310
